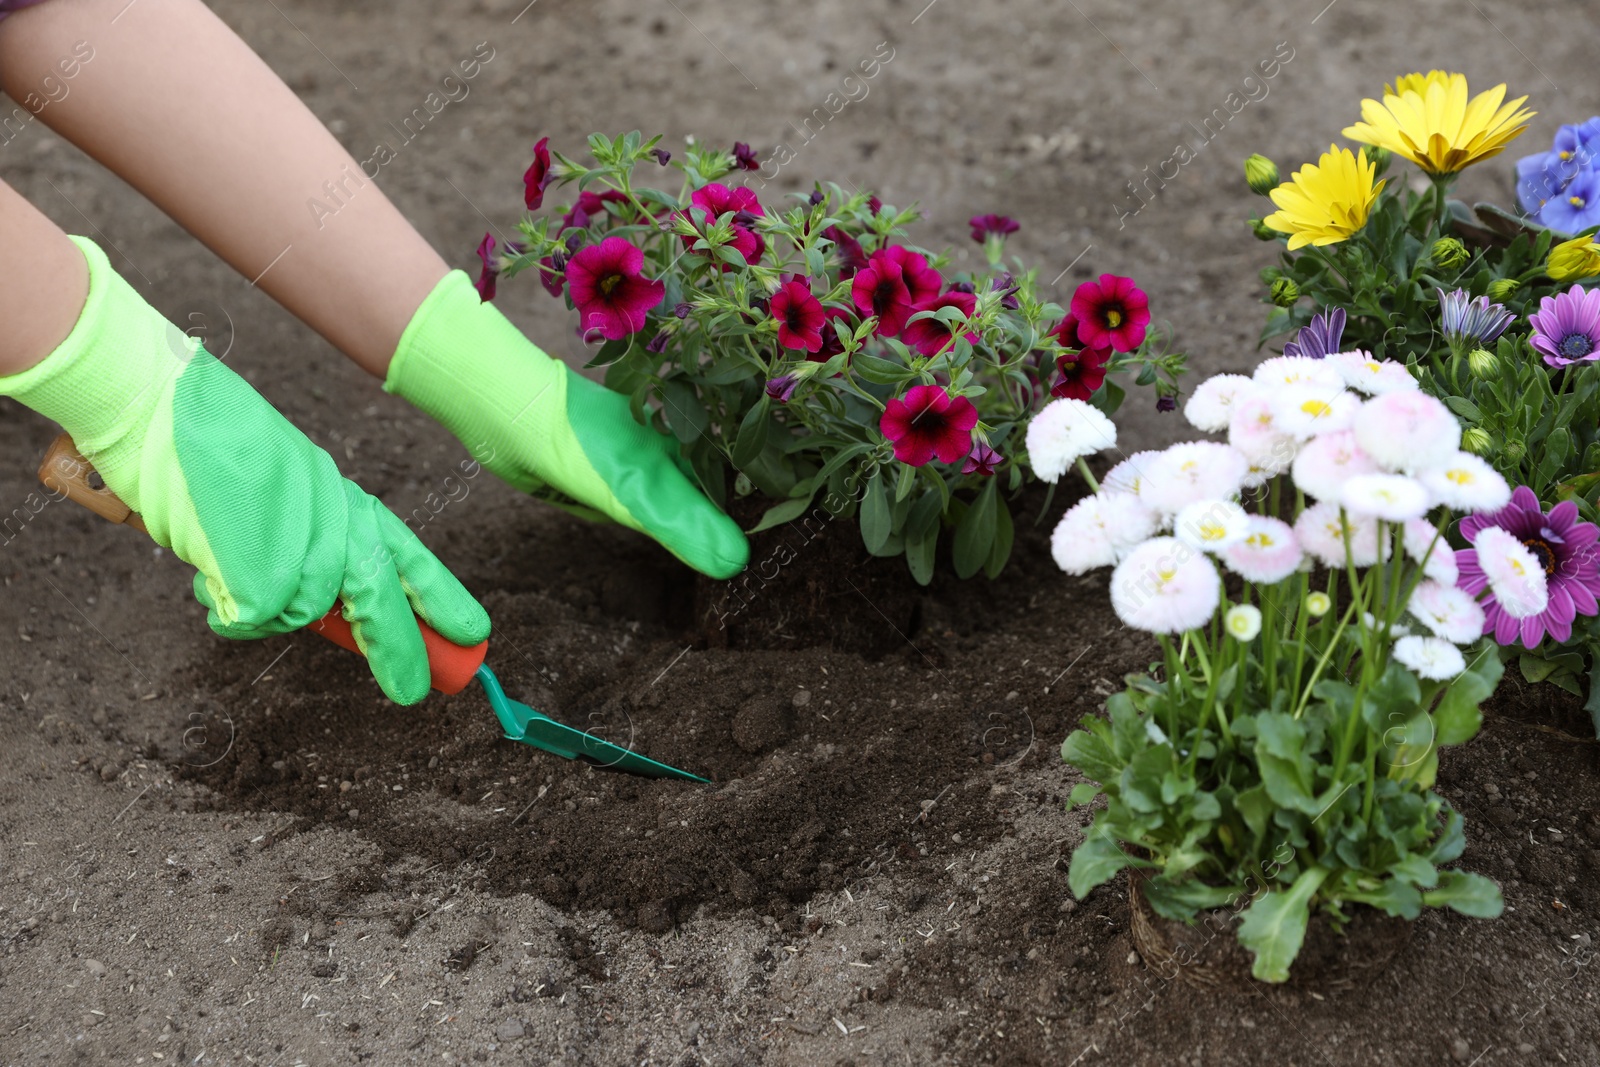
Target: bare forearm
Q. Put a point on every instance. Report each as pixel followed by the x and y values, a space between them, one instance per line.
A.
pixel 45 282
pixel 180 108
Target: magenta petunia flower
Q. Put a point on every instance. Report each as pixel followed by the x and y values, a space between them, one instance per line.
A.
pixel 799 314
pixel 1566 548
pixel 1111 313
pixel 986 226
pixel 1566 328
pixel 782 388
pixel 491 268
pixel 553 274
pixel 609 292
pixel 848 249
pixel 982 460
pixel 744 157
pixel 874 205
pixel 537 176
pixel 589 207
pixel 1081 375
pixel 831 345
pixel 1067 336
pixel 717 200
pixel 892 283
pixel 930 336
pixel 926 423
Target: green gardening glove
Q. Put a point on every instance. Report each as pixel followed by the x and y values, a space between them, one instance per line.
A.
pixel 541 427
pixel 227 483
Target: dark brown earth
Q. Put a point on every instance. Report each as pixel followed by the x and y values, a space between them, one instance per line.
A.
pixel 877 874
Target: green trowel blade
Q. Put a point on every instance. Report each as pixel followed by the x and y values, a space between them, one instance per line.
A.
pixel 535 728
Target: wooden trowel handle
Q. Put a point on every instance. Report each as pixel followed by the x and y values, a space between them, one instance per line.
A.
pixel 66 471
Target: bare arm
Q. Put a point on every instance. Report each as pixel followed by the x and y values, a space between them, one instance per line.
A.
pixel 180 108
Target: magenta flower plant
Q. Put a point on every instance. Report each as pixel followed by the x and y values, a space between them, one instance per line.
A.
pixel 807 353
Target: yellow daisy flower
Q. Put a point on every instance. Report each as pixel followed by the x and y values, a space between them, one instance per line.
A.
pixel 1429 119
pixel 1325 202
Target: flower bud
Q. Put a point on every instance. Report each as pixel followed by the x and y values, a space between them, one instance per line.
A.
pixel 1318 604
pixel 1243 622
pixel 1483 363
pixel 1513 450
pixel 1502 289
pixel 1574 259
pixel 1477 440
pixel 1285 292
pixel 1379 158
pixel 1261 173
pixel 1449 253
pixel 1262 231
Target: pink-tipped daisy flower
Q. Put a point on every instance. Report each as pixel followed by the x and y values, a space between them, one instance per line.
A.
pixel 1555 546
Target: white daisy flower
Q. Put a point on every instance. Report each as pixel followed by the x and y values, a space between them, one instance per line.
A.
pixel 1450 613
pixel 1212 404
pixel 1430 657
pixel 1362 372
pixel 1407 431
pixel 1297 370
pixel 1165 587
pixel 1304 411
pixel 1396 628
pixel 1320 531
pixel 1064 431
pixel 1191 471
pixel 1124 477
pixel 1391 497
pixel 1515 574
pixel 1260 437
pixel 1465 482
pixel 1211 525
pixel 1325 463
pixel 1099 530
pixel 1267 553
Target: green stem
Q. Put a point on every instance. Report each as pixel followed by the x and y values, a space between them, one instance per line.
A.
pixel 1083 469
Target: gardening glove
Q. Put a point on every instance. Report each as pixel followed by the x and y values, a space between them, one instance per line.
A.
pixel 542 427
pixel 230 486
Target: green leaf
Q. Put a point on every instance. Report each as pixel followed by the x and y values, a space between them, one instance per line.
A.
pixel 1095 862
pixel 1285 770
pixel 1394 896
pixel 1004 536
pixel 1180 899
pixel 875 522
pixel 921 551
pixel 1416 870
pixel 924 516
pixel 1274 927
pixel 1457 717
pixel 685 414
pixel 880 371
pixel 1083 793
pixel 787 511
pixel 1091 754
pixel 1465 408
pixel 1470 894
pixel 752 434
pixel 975 533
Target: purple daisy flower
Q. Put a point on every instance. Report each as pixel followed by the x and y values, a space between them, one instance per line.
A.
pixel 1470 323
pixel 1558 540
pixel 1319 338
pixel 1566 328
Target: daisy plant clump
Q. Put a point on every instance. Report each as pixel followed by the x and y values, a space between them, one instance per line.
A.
pixel 804 353
pixel 1498 316
pixel 1320 644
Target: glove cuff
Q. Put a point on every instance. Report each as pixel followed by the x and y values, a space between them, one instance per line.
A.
pixel 106 383
pixel 455 360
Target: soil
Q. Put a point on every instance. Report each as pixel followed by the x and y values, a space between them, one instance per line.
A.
pixel 241 853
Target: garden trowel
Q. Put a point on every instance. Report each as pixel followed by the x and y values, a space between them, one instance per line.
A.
pixel 67 472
